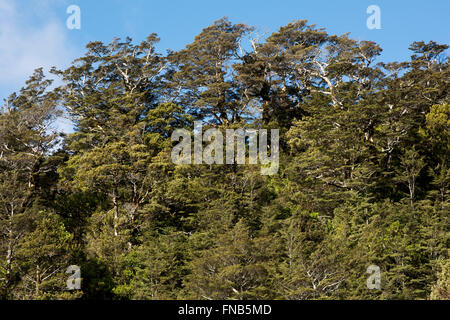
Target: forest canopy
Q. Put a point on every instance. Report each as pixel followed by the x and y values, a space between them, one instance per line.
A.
pixel 363 175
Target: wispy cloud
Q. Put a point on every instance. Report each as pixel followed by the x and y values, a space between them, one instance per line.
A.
pixel 30 37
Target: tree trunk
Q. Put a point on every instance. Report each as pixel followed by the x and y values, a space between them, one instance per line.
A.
pixel 116 211
pixel 38 280
pixel 9 253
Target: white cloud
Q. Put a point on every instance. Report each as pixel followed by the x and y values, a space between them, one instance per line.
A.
pixel 30 39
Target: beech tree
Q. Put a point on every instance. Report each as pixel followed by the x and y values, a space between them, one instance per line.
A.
pixel 363 175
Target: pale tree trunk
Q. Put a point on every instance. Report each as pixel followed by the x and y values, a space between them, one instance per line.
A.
pixel 412 186
pixel 38 280
pixel 116 211
pixel 9 252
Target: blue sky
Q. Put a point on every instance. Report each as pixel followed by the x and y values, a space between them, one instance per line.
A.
pixel 33 33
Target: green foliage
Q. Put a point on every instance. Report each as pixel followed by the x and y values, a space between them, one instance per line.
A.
pixel 441 291
pixel 363 177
